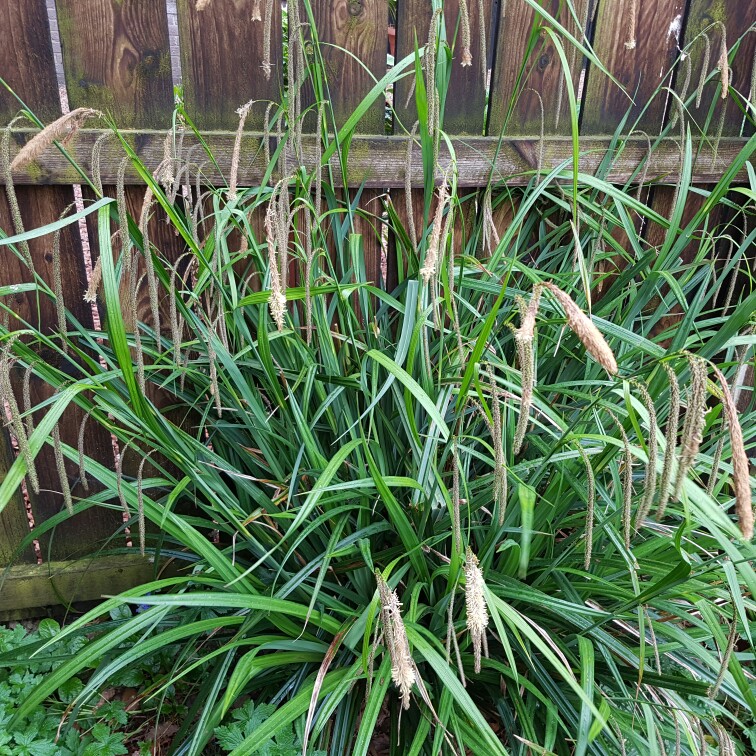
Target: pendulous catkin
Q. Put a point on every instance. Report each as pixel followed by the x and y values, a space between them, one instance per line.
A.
pixel 649 480
pixel 524 337
pixel 475 605
pixel 456 520
pixel 267 29
pixel 7 395
pixel 10 193
pixel 436 243
pixel 277 302
pixel 395 634
pixel 80 448
pixel 242 112
pixel 26 398
pixel 582 326
pixel 152 282
pixel 464 19
pixel 61 130
pixel 724 64
pixel 695 417
pixel 632 25
pixel 140 502
pixel 704 70
pixel 740 479
pixel 60 466
pixel 591 506
pixel 670 439
pixel 90 295
pixel 500 469
pixel 60 305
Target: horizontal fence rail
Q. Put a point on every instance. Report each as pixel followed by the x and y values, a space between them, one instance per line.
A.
pixel 381 161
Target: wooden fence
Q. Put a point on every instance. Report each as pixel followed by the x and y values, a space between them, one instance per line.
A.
pixel 121 56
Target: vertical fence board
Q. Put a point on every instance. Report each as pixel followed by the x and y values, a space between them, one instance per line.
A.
pixel 639 70
pixel 360 27
pixel 117 59
pixel 221 61
pixel 542 71
pixel 737 17
pixel 14 524
pixel 39 206
pixel 465 101
pixel 26 59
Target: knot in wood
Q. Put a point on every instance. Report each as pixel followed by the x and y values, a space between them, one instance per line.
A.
pixel 355 7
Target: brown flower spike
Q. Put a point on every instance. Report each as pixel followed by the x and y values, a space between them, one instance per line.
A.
pixel 741 478
pixel 585 330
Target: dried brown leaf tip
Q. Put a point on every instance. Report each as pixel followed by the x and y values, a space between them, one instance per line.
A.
pixel 61 130
pixel 582 326
pixel 475 604
pixel 395 635
pixel 741 477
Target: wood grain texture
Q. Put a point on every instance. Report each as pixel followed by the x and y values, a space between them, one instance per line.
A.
pixel 39 206
pixel 379 162
pixel 526 60
pixel 26 60
pixel 706 17
pixel 640 70
pixel 117 59
pixel 465 100
pixel 221 57
pixel 361 28
pixel 14 523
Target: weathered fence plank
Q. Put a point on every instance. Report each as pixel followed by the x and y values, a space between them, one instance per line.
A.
pixel 222 51
pixel 515 75
pixel 358 27
pixel 638 51
pixel 40 206
pixel 706 19
pixel 465 100
pixel 116 58
pixel 26 60
pixel 355 34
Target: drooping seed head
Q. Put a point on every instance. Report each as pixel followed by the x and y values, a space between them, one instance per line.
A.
pixel 724 64
pixel 402 666
pixel 475 604
pixel 582 326
pixel 695 418
pixel 61 130
pixel 436 243
pixel 670 439
pixel 741 476
pixel 465 24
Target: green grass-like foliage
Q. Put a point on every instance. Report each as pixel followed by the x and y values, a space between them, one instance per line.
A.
pixel 372 431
